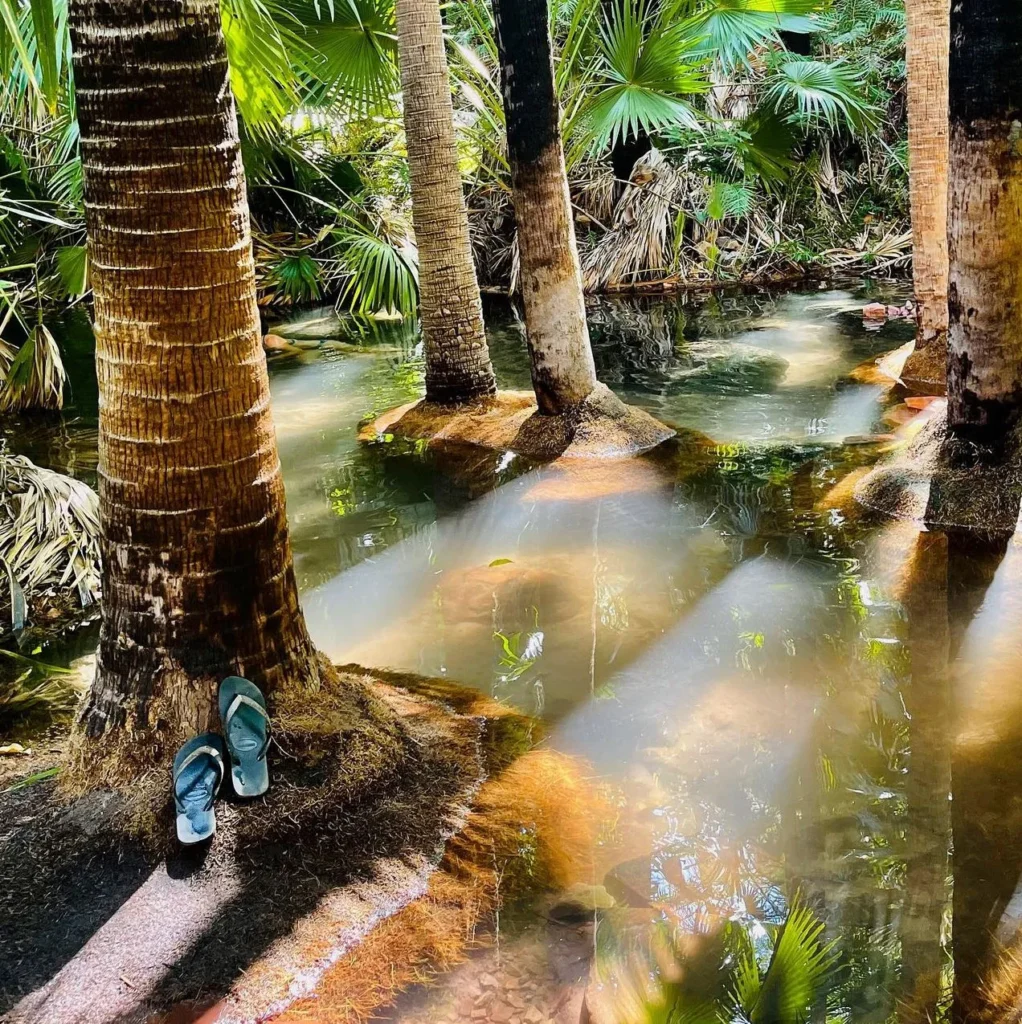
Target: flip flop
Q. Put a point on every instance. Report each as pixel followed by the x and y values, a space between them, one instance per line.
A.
pixel 199 769
pixel 247 732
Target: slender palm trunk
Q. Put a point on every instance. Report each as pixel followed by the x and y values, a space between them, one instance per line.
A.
pixel 926 54
pixel 563 373
pixel 457 360
pixel 985 217
pixel 198 578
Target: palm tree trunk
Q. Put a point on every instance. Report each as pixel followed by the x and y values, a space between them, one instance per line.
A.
pixel 198 578
pixel 985 217
pixel 563 372
pixel 926 54
pixel 457 360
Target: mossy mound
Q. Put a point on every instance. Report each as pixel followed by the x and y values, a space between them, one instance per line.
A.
pixel 925 370
pixel 942 481
pixel 600 427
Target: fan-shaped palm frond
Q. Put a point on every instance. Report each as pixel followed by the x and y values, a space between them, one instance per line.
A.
pixel 354 51
pixel 798 966
pixel 268 58
pixel 732 30
pixel 816 90
pixel 382 276
pixel 644 68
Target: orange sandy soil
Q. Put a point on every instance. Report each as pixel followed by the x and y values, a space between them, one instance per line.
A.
pixel 539 798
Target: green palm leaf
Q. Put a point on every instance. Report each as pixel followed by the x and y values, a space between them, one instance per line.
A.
pixel 798 967
pixel 354 43
pixel 731 30
pixel 383 276
pixel 643 72
pixel 814 90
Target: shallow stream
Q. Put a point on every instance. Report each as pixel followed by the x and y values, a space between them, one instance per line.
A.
pixel 772 700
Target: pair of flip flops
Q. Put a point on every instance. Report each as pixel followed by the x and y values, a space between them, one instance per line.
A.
pixel 201 764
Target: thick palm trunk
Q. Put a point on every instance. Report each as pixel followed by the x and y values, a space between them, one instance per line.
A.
pixel 563 373
pixel 198 579
pixel 985 296
pixel 457 360
pixel 927 49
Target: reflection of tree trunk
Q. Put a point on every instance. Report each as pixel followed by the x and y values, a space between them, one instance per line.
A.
pixel 927 700
pixel 986 809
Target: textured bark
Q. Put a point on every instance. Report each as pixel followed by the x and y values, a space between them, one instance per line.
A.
pixel 985 218
pixel 457 360
pixel 926 56
pixel 198 578
pixel 563 372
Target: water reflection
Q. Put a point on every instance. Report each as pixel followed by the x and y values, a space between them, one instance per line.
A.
pixel 782 704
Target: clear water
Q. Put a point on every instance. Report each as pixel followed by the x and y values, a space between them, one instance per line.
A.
pixel 772 697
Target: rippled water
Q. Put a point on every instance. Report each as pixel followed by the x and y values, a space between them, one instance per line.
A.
pixel 773 700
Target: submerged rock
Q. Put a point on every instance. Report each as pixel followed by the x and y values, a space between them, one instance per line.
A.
pixel 730 367
pixel 318 329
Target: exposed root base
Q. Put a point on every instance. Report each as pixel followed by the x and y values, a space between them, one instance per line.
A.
pixel 601 427
pixel 944 482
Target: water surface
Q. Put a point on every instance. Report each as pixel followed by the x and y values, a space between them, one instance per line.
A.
pixel 771 696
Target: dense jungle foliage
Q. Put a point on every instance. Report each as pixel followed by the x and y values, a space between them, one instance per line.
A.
pixel 706 141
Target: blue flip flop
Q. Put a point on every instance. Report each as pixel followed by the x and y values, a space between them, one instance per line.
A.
pixel 247 732
pixel 199 769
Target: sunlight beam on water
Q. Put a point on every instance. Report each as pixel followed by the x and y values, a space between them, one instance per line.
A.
pixel 526 560
pixel 699 662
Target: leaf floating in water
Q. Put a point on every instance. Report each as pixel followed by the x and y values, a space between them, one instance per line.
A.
pixel 500 561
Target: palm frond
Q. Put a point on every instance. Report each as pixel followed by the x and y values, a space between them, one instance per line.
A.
pixel 644 71
pixel 800 962
pixel 354 46
pixel 382 276
pixel 732 30
pixel 816 90
pixel 49 534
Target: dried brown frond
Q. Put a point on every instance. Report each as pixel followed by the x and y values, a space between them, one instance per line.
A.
pixel 49 538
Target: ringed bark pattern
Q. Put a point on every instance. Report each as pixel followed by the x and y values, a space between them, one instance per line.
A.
pixel 563 371
pixel 458 365
pixel 985 218
pixel 198 576
pixel 926 58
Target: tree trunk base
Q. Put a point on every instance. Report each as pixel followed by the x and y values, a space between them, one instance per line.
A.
pixel 601 426
pixel 945 482
pixel 356 742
